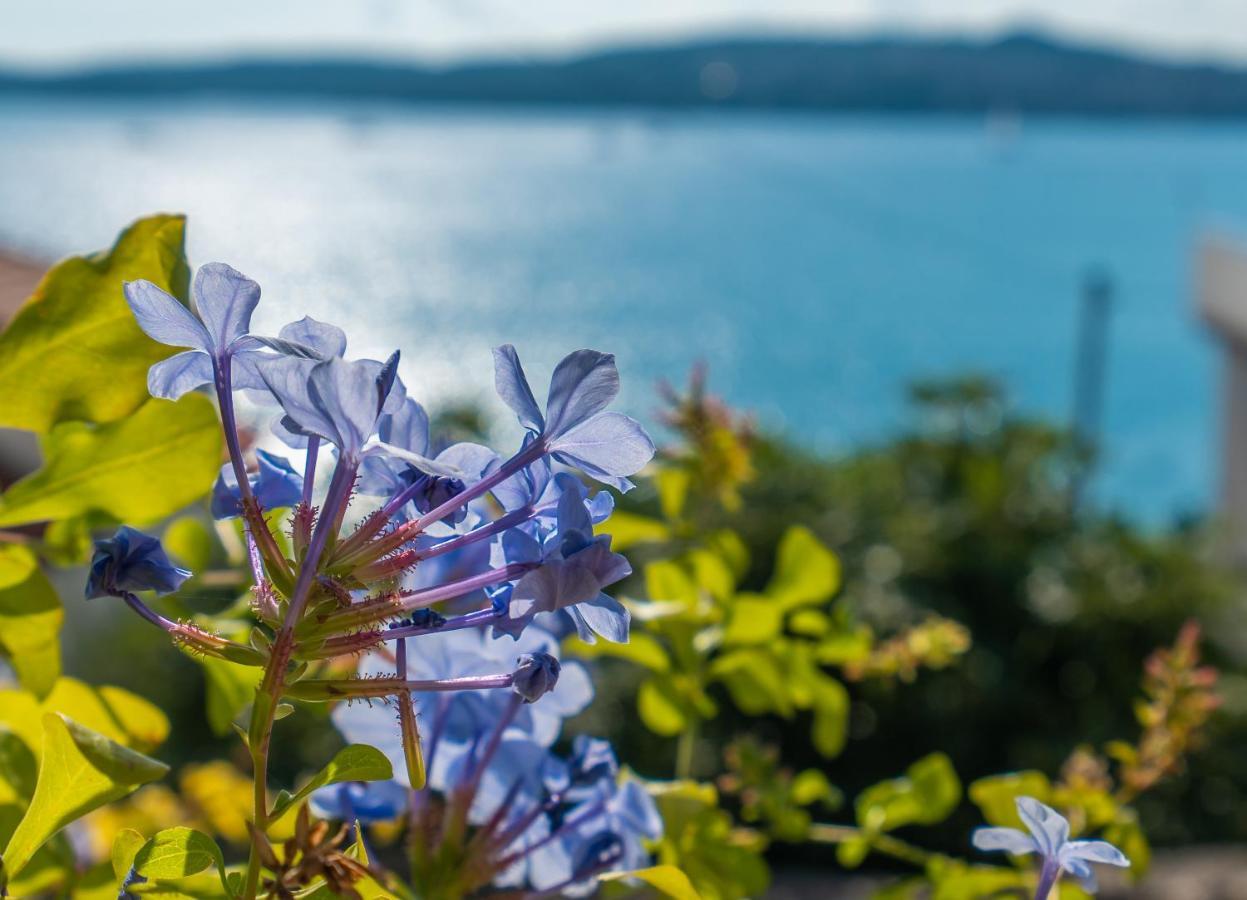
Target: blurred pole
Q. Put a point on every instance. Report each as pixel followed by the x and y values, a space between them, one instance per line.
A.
pixel 1090 366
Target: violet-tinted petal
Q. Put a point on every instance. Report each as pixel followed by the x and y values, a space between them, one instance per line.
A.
pixel 607 617
pixel 327 340
pixel 225 300
pixel 164 319
pixel 513 388
pixel 1095 851
pixel 1010 840
pixel 582 385
pixel 1046 825
pixel 179 374
pixel 608 447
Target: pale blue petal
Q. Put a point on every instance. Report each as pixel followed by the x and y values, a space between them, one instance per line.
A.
pixel 164 319
pixel 513 387
pixel 407 428
pixel 1084 874
pixel 225 299
pixel 553 586
pixel 1046 825
pixel 171 378
pixel 1010 840
pixel 327 340
pixel 473 460
pixel 606 447
pixel 636 807
pixel 582 385
pixel 606 616
pixel 1095 851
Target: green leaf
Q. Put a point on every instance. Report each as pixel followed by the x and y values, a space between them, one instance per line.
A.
pixel 190 542
pixel 18 770
pixel 667 880
pixel 30 620
pixel 357 762
pixel 927 794
pixel 179 853
pixel 74 350
pixel 80 770
pixel 230 688
pixel 140 469
pixel 754 619
pixel 699 839
pixel 712 574
pixel 811 786
pixel 126 846
pixel 641 649
pixel 661 707
pixel 755 680
pixel 666 580
pixel 805 570
pixel 995 796
pixel 672 484
pixel 114 712
pixel 831 716
pixel 628 529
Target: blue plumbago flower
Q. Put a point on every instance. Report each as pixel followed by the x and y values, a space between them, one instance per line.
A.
pixel 535 487
pixel 574 567
pixel 402 468
pixel 607 446
pixel 131 561
pixel 334 399
pixel 454 723
pixel 225 300
pixel 1049 837
pixel 366 802
pixel 624 810
pixel 276 485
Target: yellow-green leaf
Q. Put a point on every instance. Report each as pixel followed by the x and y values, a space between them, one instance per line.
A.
pixel 230 687
pixel 80 770
pixel 661 708
pixel 927 794
pixel 30 619
pixel 357 762
pixel 74 350
pixel 628 529
pixel 178 853
pixel 641 649
pixel 139 469
pixel 126 846
pixel 667 880
pixel 996 795
pixel 805 570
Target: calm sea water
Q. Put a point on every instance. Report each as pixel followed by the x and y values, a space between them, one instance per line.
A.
pixel 817 264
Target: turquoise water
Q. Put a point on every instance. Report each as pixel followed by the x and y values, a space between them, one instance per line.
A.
pixel 817 264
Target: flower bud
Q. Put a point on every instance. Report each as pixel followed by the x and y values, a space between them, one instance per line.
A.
pixel 131 561
pixel 536 674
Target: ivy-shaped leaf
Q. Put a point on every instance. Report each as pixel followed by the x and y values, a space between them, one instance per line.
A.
pixel 74 350
pixel 80 770
pixel 139 469
pixel 30 620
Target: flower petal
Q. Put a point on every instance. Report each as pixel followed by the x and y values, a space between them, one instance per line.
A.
pixel 582 385
pixel 171 378
pixel 327 340
pixel 163 318
pixel 1081 871
pixel 606 447
pixel 225 299
pixel 1094 851
pixel 512 387
pixel 1046 825
pixel 606 616
pixel 1010 840
pixel 407 428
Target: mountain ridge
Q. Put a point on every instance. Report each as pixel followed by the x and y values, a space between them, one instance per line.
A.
pixel 1022 72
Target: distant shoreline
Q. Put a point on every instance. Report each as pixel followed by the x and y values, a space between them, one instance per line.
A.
pixel 1023 74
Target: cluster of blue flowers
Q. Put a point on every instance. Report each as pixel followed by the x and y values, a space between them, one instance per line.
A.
pixel 484 560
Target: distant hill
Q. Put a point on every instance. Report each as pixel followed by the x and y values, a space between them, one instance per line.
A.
pixel 1022 73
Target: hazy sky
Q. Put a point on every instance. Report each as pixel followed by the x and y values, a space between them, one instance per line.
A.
pixel 55 32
